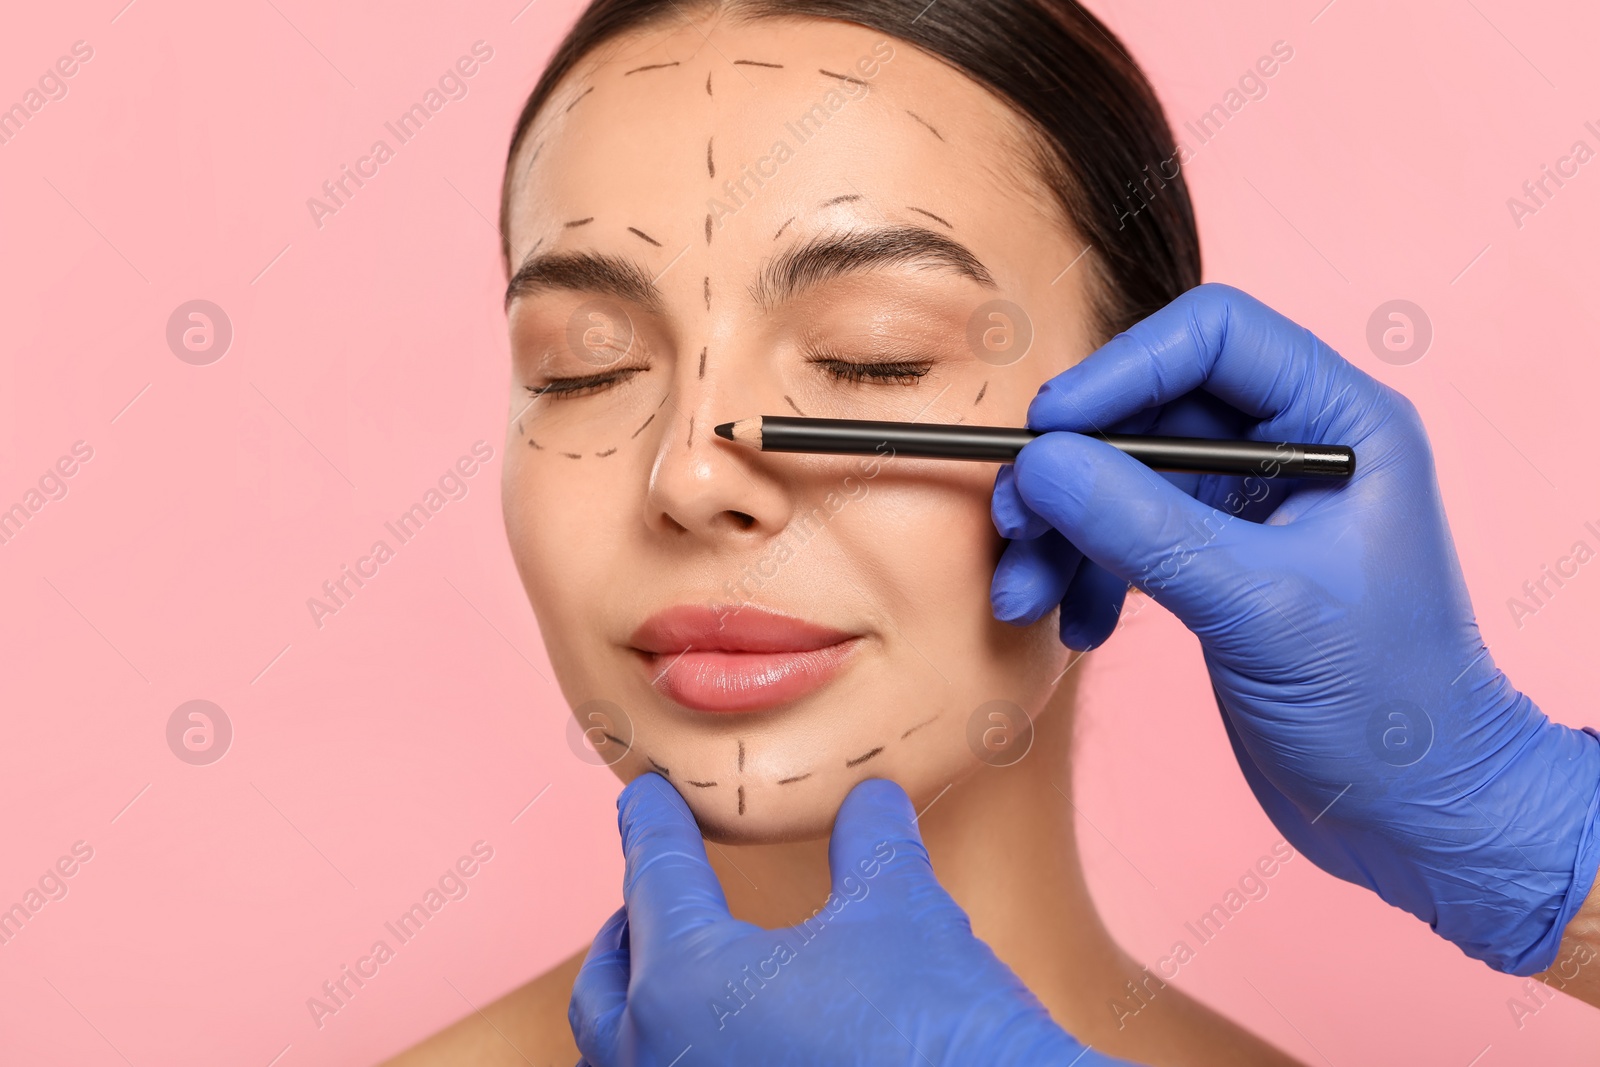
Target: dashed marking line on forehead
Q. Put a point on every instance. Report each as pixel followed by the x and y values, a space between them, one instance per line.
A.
pixel 845 199
pixel 580 96
pixel 708 227
pixel 578 222
pixel 925 122
pixel 711 163
pixel 756 63
pixel 785 226
pixel 841 77
pixel 649 66
pixel 790 401
pixel 863 757
pixel 936 218
pixel 979 399
pixel 640 233
pixel 702 373
pixel 708 291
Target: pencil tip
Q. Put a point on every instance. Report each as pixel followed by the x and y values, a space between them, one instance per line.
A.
pixel 725 431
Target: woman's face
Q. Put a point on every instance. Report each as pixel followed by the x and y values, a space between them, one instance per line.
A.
pixel 719 220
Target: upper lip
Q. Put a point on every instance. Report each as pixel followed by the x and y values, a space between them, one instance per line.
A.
pixel 748 629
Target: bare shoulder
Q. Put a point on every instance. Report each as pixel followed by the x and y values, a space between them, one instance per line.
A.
pixel 526 1026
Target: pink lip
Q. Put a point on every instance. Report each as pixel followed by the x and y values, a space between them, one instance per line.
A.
pixel 737 661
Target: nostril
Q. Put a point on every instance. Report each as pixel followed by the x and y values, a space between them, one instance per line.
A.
pixel 744 521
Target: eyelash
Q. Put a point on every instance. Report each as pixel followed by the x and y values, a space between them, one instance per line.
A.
pixel 887 372
pixel 585 385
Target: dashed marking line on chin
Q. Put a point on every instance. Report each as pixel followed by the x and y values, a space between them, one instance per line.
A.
pixel 613 737
pixel 863 757
pixel 700 785
pixel 741 800
pixel 658 768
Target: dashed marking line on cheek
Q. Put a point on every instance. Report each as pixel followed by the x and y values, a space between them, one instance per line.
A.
pixel 779 234
pixel 979 399
pixel 574 104
pixel 573 455
pixel 607 452
pixel 794 778
pixel 841 77
pixel 535 445
pixel 642 425
pixel 690 443
pixel 941 221
pixel 917 727
pixel 640 233
pixel 708 292
pixel 711 163
pixel 708 227
pixel 863 757
pixel 925 122
pixel 787 399
pixel 756 63
pixel 649 66
pixel 741 800
pixel 702 373
pixel 741 755
pixel 578 222
pixel 708 83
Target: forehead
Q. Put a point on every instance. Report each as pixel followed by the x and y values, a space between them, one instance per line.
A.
pixel 759 122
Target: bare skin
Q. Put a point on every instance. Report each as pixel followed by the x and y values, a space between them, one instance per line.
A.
pixel 620 502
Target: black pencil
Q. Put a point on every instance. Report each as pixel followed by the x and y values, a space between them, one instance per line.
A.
pixel 1000 444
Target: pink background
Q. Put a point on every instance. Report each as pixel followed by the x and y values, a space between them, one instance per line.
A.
pixel 369 354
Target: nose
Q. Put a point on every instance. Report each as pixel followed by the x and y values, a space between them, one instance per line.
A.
pixel 702 486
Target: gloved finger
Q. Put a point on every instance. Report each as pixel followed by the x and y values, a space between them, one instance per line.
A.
pixel 876 854
pixel 1012 518
pixel 1091 607
pixel 1032 577
pixel 669 887
pixel 1215 338
pixel 1134 523
pixel 600 992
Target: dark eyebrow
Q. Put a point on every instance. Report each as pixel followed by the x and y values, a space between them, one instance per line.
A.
pixel 828 256
pixel 585 272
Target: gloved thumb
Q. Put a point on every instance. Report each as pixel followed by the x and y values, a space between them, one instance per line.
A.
pixel 1133 522
pixel 876 854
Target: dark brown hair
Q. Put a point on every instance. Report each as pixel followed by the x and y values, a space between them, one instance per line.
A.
pixel 1103 145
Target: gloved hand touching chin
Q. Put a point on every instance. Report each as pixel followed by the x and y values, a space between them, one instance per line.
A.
pixel 1365 711
pixel 888 971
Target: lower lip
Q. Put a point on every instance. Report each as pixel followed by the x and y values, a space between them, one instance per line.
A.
pixel 728 682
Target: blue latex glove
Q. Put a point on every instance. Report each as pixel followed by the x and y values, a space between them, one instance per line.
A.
pixel 1362 704
pixel 887 972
